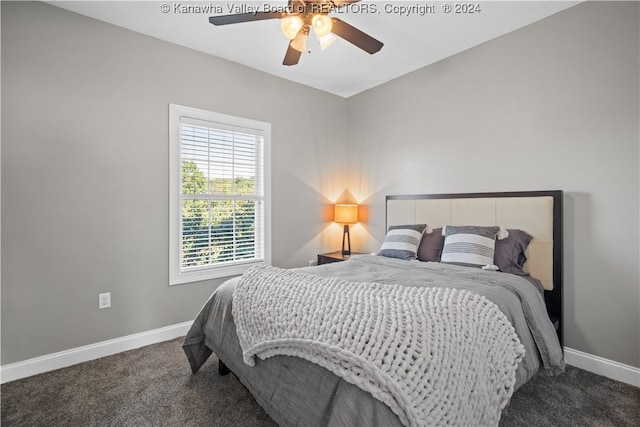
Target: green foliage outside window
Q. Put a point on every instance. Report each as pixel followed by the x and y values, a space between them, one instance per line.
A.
pixel 216 230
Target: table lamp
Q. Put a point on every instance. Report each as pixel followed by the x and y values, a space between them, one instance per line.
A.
pixel 346 214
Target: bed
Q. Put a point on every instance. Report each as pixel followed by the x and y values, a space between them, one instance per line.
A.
pixel 295 391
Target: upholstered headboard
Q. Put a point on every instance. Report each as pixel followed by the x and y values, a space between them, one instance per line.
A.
pixel 539 213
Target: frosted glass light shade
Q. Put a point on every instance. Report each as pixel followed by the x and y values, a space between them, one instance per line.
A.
pixel 321 25
pixel 299 43
pixel 325 41
pixel 346 214
pixel 290 26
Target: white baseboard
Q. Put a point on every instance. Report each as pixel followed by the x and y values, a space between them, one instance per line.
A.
pixel 62 359
pixel 14 371
pixel 601 366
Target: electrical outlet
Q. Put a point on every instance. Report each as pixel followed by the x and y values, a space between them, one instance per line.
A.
pixel 104 300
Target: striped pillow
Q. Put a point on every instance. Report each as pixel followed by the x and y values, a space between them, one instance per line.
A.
pixel 402 241
pixel 469 245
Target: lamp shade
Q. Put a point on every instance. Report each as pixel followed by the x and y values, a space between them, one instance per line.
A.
pixel 322 25
pixel 346 214
pixel 291 25
pixel 299 43
pixel 326 41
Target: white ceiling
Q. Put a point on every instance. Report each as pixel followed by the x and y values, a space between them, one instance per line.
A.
pixel 411 41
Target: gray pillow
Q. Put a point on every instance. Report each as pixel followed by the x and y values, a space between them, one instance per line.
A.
pixel 402 241
pixel 469 245
pixel 509 252
pixel 430 248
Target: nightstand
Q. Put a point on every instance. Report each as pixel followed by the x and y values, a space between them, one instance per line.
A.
pixel 333 257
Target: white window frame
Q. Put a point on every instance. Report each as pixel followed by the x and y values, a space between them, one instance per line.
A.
pixel 176 274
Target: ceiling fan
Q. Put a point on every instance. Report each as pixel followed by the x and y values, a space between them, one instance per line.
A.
pixel 297 19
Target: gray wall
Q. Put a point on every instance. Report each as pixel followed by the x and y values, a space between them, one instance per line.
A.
pixel 551 106
pixel 85 174
pixel 85 153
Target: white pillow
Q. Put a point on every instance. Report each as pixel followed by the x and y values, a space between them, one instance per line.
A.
pixel 402 241
pixel 469 245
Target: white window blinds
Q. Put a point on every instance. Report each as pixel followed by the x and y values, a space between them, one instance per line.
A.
pixel 221 221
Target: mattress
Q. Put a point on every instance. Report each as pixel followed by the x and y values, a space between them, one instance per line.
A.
pixel 296 392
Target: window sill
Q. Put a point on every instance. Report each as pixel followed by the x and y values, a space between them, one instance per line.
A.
pixel 181 278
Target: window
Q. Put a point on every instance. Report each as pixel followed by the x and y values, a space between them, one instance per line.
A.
pixel 219 195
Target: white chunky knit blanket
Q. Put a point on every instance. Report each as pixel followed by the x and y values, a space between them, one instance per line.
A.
pixel 435 356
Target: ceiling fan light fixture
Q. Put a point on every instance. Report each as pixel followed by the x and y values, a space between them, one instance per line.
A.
pixel 296 22
pixel 321 25
pixel 291 26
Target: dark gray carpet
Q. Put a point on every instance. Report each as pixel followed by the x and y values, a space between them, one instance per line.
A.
pixel 153 386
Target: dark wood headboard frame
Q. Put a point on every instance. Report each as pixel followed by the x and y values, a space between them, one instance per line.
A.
pixel 553 298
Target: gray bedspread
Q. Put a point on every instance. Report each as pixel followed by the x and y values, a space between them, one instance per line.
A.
pixel 295 392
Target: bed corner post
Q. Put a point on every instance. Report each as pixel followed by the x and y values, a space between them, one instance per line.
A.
pixel 553 298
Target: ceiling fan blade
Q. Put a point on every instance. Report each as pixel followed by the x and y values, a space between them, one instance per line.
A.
pixel 243 17
pixel 356 37
pixel 292 56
